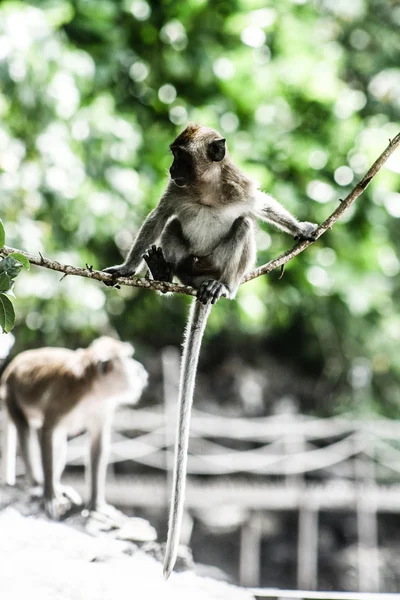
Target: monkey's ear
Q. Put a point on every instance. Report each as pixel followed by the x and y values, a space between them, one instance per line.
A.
pixel 217 149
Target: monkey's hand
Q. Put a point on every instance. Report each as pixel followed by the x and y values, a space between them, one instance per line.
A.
pixel 118 271
pixel 307 231
pixel 160 269
pixel 211 290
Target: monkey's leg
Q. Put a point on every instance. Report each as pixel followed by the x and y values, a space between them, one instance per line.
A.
pixel 174 244
pixel 99 454
pixel 111 517
pixel 36 490
pixel 174 249
pixel 65 494
pixel 8 442
pixel 24 437
pixel 235 254
pixel 27 446
pixel 160 269
pixel 56 504
pixel 49 494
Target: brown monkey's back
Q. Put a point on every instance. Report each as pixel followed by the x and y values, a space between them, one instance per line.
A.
pixel 36 377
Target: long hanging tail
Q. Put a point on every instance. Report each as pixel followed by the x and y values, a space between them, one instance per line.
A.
pixel 194 334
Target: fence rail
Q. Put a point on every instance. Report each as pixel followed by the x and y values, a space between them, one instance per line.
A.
pixel 267 464
pixel 308 595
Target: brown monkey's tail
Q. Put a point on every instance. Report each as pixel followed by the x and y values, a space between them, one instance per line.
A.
pixel 190 356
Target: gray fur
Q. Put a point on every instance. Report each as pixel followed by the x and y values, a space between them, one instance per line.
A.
pixel 204 224
pixel 194 333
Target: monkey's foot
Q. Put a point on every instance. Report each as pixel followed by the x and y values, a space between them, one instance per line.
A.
pixel 106 512
pixel 108 518
pixel 65 503
pixel 211 290
pixel 65 491
pixel 160 269
pixel 59 509
pixel 307 231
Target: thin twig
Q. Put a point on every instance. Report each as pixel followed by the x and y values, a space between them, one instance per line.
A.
pixel 139 282
pixel 343 206
pixel 142 282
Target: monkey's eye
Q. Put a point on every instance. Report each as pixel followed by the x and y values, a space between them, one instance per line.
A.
pixel 177 153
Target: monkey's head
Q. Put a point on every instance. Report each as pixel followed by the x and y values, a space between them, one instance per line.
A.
pixel 118 374
pixel 197 151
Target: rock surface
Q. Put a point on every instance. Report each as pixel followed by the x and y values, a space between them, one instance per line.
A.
pixel 44 560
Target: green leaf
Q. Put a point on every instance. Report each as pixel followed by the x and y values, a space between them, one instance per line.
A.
pixel 10 266
pixel 2 234
pixel 5 282
pixel 21 258
pixel 7 314
pixel 10 292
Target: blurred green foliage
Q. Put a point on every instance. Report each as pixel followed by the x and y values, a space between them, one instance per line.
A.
pixel 307 94
pixel 10 267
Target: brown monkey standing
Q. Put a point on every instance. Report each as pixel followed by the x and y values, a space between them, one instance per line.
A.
pixel 52 392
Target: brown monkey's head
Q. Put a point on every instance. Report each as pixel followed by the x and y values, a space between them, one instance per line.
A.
pixel 196 152
pixel 117 374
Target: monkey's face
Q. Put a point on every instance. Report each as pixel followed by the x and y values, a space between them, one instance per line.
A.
pixel 120 376
pixel 195 151
pixel 182 170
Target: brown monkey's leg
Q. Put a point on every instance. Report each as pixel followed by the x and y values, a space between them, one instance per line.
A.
pixel 99 454
pixel 24 437
pixel 65 493
pixel 46 446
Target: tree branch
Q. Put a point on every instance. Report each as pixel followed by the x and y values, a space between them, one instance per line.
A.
pixel 330 221
pixel 281 260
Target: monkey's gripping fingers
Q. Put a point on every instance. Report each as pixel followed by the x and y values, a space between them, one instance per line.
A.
pixel 118 271
pixel 211 290
pixel 160 269
pixel 307 231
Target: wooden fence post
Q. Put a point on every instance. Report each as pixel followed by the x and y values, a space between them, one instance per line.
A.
pixel 307 546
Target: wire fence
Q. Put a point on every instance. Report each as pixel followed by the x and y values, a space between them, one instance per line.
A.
pixel 282 462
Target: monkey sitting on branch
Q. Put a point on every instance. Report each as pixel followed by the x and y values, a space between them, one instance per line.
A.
pixel 52 392
pixel 204 225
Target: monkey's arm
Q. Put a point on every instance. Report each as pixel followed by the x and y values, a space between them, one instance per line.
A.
pixel 148 234
pixel 270 210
